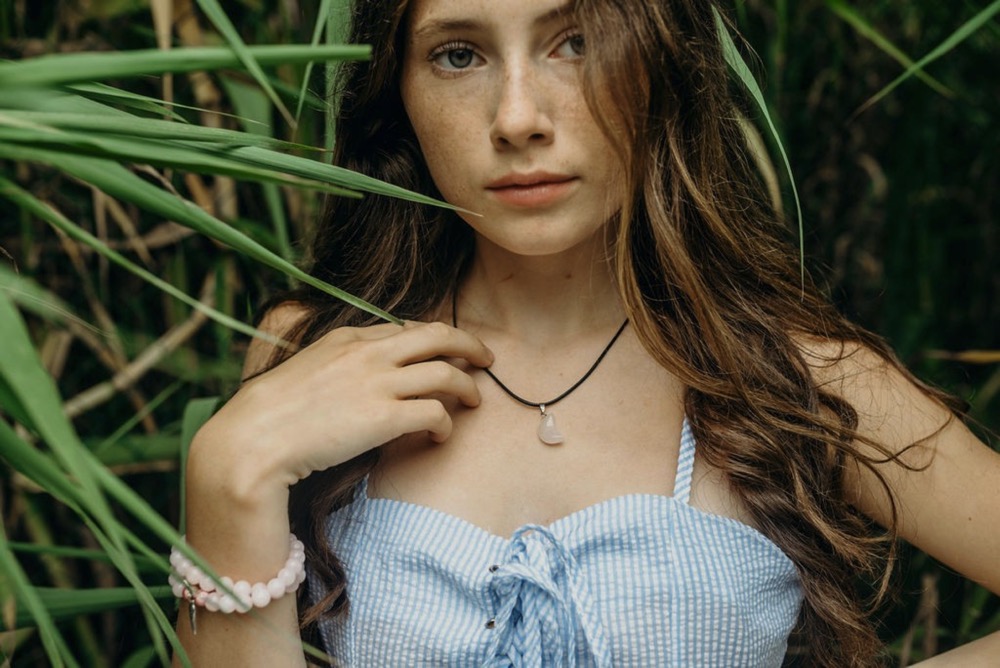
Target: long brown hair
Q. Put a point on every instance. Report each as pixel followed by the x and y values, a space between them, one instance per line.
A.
pixel 705 270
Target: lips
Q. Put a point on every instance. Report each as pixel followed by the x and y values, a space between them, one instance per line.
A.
pixel 532 190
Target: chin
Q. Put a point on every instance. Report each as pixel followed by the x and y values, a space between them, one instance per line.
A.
pixel 540 245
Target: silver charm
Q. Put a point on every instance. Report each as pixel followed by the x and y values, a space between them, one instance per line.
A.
pixel 193 616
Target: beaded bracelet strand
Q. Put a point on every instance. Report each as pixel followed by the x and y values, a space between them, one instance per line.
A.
pixel 191 584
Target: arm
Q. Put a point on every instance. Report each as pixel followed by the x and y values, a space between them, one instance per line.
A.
pixel 345 394
pixel 243 535
pixel 949 504
pixel 982 652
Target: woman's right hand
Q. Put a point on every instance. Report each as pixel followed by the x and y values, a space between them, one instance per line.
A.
pixel 348 392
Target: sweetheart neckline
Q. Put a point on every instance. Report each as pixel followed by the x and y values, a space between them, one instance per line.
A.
pixel 573 517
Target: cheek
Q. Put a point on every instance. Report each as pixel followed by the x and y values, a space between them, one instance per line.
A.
pixel 445 125
pixel 449 172
pixel 447 150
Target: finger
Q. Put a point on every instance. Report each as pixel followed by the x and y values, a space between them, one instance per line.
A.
pixel 428 415
pixel 436 339
pixel 371 333
pixel 436 377
pixel 343 336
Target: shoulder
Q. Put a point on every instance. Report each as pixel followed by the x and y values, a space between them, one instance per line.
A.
pixel 898 416
pixel 927 470
pixel 276 326
pixel 894 408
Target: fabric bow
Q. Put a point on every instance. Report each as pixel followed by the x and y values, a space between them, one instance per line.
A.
pixel 542 602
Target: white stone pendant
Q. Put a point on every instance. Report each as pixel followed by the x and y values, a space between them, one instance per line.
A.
pixel 548 432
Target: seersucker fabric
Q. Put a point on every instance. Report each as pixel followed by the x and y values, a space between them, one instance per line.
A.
pixel 637 580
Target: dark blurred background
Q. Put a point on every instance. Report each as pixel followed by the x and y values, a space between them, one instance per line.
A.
pixel 899 211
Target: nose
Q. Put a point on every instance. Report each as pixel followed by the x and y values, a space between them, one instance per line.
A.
pixel 521 117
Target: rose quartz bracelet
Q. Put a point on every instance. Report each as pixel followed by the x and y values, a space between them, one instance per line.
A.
pixel 191 584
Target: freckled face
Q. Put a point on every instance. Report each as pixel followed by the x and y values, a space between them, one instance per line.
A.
pixel 494 93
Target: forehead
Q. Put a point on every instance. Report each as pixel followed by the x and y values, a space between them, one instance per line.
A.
pixel 429 17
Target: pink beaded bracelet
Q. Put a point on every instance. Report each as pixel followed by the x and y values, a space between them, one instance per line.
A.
pixel 193 585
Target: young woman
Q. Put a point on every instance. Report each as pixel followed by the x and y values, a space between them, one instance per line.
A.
pixel 616 428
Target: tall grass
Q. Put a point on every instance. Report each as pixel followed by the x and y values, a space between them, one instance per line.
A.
pixel 161 161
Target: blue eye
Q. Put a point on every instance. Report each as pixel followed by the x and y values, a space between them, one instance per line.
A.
pixel 459 58
pixel 577 44
pixel 574 46
pixel 454 57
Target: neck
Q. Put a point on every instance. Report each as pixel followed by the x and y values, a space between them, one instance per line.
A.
pixel 539 298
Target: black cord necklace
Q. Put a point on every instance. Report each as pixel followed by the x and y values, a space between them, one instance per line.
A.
pixel 548 433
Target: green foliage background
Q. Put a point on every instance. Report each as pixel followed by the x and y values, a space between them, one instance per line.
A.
pixel 899 208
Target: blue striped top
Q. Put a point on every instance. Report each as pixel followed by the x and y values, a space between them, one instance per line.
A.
pixel 637 580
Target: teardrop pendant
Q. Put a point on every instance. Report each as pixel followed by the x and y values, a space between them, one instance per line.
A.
pixel 548 432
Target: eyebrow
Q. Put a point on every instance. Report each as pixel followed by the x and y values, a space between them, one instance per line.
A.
pixel 433 27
